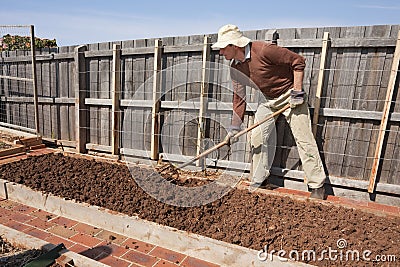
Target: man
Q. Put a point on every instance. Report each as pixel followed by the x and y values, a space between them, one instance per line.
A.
pixel 278 73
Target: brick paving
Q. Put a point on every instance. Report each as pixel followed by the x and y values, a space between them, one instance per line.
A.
pixel 114 249
pixel 98 244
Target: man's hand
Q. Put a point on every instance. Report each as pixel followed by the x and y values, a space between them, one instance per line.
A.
pixel 232 131
pixel 296 98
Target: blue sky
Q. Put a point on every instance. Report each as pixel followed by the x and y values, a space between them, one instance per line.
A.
pixel 79 22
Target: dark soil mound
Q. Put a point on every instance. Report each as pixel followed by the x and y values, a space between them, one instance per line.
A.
pixel 252 220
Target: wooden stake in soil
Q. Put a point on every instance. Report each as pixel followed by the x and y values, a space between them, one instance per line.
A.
pixel 155 118
pixel 203 99
pixel 80 94
pixel 321 76
pixel 385 116
pixel 34 81
pixel 116 92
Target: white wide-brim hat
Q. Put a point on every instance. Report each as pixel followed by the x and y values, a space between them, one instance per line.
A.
pixel 230 34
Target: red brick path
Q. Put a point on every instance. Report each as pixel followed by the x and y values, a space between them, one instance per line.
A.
pixel 98 244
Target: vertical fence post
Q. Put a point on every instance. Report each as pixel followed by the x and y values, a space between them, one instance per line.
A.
pixel 116 92
pixel 385 116
pixel 34 81
pixel 321 77
pixel 272 36
pixel 80 95
pixel 203 99
pixel 155 117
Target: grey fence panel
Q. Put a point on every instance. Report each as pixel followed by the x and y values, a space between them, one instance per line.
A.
pixel 93 92
pixel 369 72
pixel 136 71
pixel 64 71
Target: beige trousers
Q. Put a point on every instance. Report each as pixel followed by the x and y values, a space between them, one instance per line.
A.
pixel 263 140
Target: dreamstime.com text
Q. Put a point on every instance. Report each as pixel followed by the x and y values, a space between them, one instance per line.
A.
pixel 329 254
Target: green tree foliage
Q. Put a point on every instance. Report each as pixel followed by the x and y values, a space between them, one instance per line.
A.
pixel 15 42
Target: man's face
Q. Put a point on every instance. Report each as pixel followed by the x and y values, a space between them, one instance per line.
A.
pixel 228 52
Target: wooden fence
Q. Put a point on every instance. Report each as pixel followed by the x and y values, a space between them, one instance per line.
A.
pixel 112 97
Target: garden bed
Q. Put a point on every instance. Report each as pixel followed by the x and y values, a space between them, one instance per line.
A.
pixel 254 220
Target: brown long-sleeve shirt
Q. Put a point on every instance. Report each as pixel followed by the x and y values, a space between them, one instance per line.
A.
pixel 270 68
